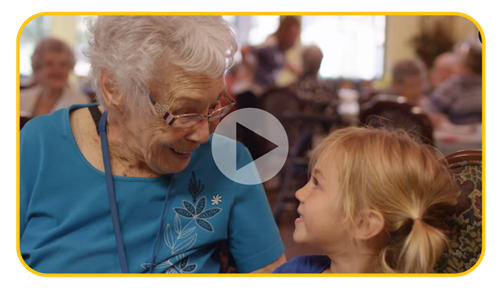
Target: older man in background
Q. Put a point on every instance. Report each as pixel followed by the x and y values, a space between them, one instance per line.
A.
pixel 443 68
pixel 459 98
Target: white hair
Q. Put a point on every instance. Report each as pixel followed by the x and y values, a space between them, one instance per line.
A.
pixel 130 49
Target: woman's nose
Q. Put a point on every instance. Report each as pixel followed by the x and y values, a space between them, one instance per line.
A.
pixel 201 132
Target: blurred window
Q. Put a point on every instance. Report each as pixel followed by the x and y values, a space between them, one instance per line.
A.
pixel 37 29
pixel 353 46
pixel 82 65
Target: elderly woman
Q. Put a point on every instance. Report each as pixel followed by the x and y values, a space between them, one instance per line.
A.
pixel 131 185
pixel 52 62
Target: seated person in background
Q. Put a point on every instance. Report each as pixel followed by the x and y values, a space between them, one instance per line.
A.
pixel 266 60
pixel 261 65
pixel 443 68
pixel 52 62
pixel 370 203
pixel 311 62
pixel 408 81
pixel 310 86
pixel 459 99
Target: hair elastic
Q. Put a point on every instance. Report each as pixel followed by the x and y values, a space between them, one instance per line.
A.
pixel 418 218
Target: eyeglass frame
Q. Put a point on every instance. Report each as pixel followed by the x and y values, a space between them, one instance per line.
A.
pixel 170 118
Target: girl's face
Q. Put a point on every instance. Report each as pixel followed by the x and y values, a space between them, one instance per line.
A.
pixel 319 223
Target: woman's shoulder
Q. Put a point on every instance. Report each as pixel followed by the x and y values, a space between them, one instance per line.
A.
pixel 313 264
pixel 53 124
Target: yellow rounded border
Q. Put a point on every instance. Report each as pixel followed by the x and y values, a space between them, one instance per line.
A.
pixel 256 13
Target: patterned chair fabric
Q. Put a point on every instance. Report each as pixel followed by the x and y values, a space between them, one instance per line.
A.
pixel 465 218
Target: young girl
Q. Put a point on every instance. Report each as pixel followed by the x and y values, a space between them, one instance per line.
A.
pixel 372 205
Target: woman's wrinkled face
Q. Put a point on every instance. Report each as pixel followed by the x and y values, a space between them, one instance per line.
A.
pixel 319 223
pixel 54 70
pixel 167 149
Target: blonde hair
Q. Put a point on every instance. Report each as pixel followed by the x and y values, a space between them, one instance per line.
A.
pixel 390 172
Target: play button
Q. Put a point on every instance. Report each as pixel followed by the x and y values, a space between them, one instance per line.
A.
pixel 267 128
pixel 258 139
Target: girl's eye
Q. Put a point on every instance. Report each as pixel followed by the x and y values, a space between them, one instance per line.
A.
pixel 315 182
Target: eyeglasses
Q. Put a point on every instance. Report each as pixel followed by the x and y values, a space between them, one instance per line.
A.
pixel 190 120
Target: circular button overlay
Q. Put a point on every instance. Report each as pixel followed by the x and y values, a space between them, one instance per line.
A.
pixel 264 126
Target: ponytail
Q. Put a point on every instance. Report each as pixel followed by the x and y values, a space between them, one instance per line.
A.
pixel 418 253
pixel 422 248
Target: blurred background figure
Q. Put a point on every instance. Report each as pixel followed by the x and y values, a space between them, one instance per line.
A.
pixel 408 80
pixel 259 68
pixel 266 60
pixel 52 62
pixel 311 61
pixel 459 98
pixel 309 82
pixel 443 68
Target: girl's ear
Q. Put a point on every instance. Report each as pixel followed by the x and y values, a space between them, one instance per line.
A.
pixel 371 225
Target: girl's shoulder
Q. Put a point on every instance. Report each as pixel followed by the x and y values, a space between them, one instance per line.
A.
pixel 313 264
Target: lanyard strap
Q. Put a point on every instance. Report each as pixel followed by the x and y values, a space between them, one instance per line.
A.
pixel 111 193
pixel 112 199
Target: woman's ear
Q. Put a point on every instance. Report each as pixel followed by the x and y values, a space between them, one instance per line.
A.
pixel 371 225
pixel 110 93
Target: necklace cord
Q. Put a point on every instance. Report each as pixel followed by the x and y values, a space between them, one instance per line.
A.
pixel 101 128
pixel 111 194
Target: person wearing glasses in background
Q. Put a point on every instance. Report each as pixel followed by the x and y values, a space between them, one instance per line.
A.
pixel 130 184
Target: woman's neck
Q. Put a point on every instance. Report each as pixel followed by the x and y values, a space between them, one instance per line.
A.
pixel 126 157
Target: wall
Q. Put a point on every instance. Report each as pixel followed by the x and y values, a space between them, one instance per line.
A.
pixel 401 29
pixel 64 28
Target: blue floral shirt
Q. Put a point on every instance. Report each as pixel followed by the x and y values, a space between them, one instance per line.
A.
pixel 66 225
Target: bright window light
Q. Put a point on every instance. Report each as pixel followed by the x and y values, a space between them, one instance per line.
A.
pixel 353 46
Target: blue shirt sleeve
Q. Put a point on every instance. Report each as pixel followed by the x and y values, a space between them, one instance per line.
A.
pixel 23 188
pixel 28 162
pixel 254 239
